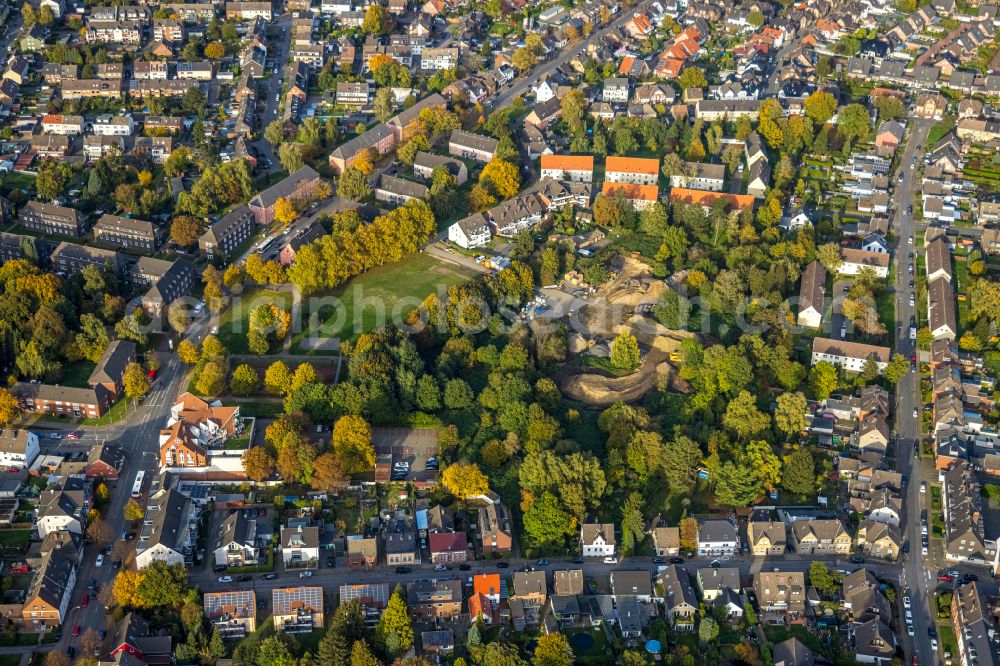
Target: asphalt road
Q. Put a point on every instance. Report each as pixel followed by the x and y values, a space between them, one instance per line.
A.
pixel 331 578
pixel 138 436
pixel 915 576
pixel 524 83
pixel 271 87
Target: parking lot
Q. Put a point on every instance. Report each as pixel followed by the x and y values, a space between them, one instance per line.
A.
pixel 409 445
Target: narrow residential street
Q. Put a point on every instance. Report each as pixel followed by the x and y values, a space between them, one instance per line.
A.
pixel 914 576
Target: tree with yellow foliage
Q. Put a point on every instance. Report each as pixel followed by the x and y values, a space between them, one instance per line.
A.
pixel 465 480
pixel 126 590
pixel 284 211
pixel 502 178
pixel 9 407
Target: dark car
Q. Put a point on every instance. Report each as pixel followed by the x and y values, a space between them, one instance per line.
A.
pixel 502 564
pixel 331 561
pixel 906 547
pixel 659 560
pixel 244 579
pixel 969 578
pixel 270 576
pixel 677 560
pixel 403 570
pixel 464 567
pixel 857 560
pixel 219 568
pixel 261 603
pixel 71 652
pixel 577 560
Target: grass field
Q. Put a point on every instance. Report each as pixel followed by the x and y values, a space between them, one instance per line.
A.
pixel 939 130
pixel 77 374
pixel 236 320
pixel 380 297
pixel 117 412
pixel 15 538
pixel 21 181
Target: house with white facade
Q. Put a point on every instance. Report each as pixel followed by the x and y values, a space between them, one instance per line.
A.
pixel 598 539
pixel 718 538
pixel 848 355
pixel 169 529
pixel 18 447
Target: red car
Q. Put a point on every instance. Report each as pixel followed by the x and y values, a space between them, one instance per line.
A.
pixel 913 357
pixel 76 630
pixel 944 579
pixel 86 600
pixel 72 435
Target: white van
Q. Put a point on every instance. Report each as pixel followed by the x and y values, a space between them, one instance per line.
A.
pixel 611 560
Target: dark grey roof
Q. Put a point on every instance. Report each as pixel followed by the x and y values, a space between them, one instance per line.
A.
pixel 93 395
pixel 218 230
pixel 111 366
pixel 284 188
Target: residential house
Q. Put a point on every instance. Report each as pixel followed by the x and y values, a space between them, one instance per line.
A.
pixel 470 232
pixel 399 541
pixel 820 537
pixel 236 544
pixel 616 91
pixel 853 261
pixel 51 220
pixel 941 306
pixel 718 538
pixel 110 369
pixel 361 552
pixel 714 581
pixel 812 292
pixel 104 461
pixel 233 613
pixel 228 233
pixel 966 538
pixel 862 598
pixel 792 652
pixel 296 187
pixel 433 601
pixel 759 179
pixel 63 507
pixel 167 281
pixel 47 599
pixel 571 168
pixel 471 146
pixel 598 539
pixel 679 601
pixel 448 547
pixel 297 610
pixel 781 595
pixel 766 537
pixel 938 257
pixel 973 616
pixel 874 643
pixel 632 170
pixel 169 530
pixel 666 541
pixel 484 602
pixel 889 135
pixel 210 424
pixel 527 603
pixel 640 196
pixel 62 400
pixel 700 176
pixel 373 598
pixel 18 448
pixel 397 191
pixel 850 356
pixel 425 163
pixel 132 643
pixel 495 528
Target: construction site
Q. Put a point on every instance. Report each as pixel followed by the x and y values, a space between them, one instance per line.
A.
pixel 625 301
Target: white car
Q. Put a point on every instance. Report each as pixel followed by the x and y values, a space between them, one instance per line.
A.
pixel 934 644
pixel 225 579
pixel 916 413
pixel 906 602
pixel 611 560
pixel 100 561
pixel 923 550
pixel 909 630
pixel 305 574
pixel 909 617
pixel 923 487
pixel 440 567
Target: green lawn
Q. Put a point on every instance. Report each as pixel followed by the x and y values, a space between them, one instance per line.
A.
pixel 236 320
pixel 939 130
pixel 77 374
pixel 21 181
pixel 386 296
pixel 113 415
pixel 599 652
pixel 15 538
pixel 261 410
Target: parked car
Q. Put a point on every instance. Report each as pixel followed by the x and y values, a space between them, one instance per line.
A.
pixel 331 561
pixel 305 574
pixel 944 579
pixel 76 630
pixel 85 601
pixel 464 567
pixel 225 579
pixel 100 560
pixel 906 602
pixel 403 570
pixel 218 568
pixel 270 576
pixel 502 565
